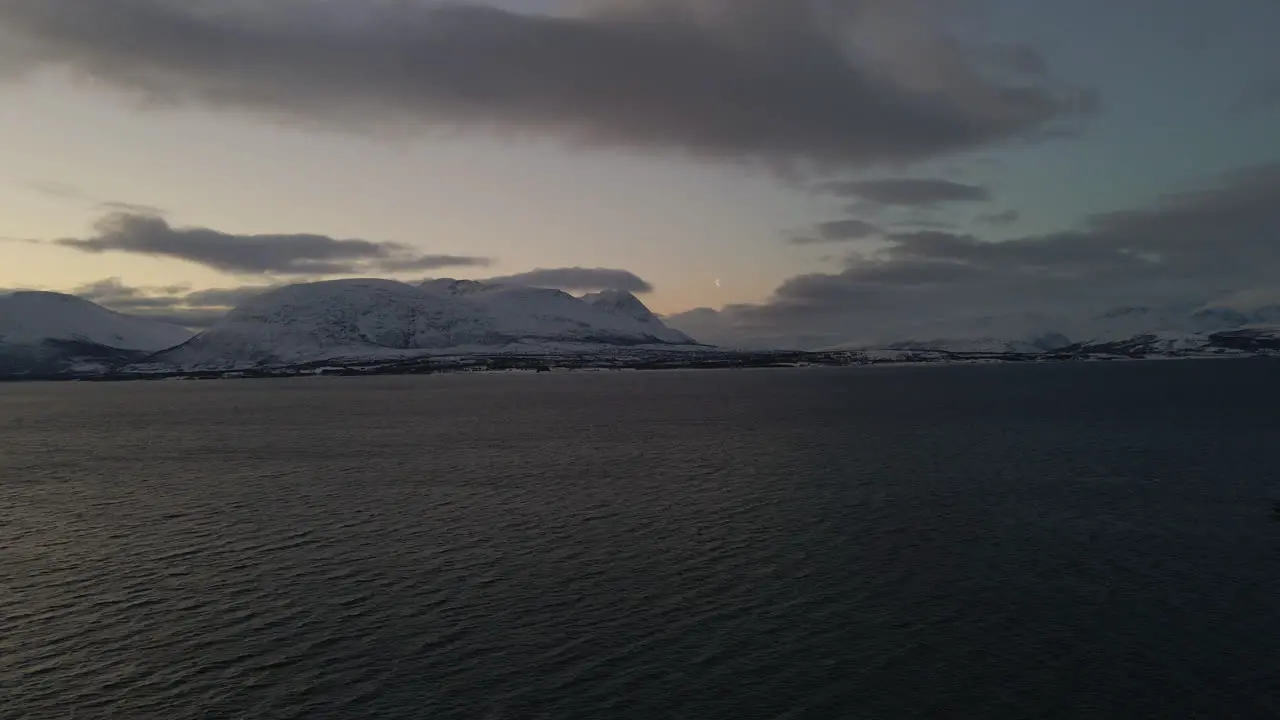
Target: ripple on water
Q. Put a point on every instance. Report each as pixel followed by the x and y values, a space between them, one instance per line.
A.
pixel 923 543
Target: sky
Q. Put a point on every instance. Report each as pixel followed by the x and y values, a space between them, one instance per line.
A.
pixel 784 168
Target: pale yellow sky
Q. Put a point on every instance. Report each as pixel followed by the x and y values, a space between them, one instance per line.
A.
pixel 69 147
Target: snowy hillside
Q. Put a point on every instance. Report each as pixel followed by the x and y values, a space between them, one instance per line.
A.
pixel 623 304
pixel 32 317
pixel 327 319
pixel 51 332
pixel 1252 339
pixel 1163 329
pixel 543 314
pixel 378 318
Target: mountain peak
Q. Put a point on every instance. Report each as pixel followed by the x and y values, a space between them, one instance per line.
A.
pixel 620 302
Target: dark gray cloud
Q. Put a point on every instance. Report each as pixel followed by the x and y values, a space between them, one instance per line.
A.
pixel 579 278
pixel 830 83
pixel 177 304
pixel 297 254
pixel 225 297
pixel 837 231
pixel 909 192
pixel 999 219
pixel 924 224
pixel 1186 249
pixel 113 293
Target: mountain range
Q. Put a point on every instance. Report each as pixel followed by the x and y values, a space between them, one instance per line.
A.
pixel 360 319
pixel 44 333
pixel 373 320
pixel 1157 329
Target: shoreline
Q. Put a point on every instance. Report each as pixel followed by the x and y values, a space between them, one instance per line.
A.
pixel 532 364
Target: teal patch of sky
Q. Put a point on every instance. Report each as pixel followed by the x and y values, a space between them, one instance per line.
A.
pixel 1170 72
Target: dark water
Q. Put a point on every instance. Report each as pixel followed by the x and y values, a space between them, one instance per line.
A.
pixel 1054 541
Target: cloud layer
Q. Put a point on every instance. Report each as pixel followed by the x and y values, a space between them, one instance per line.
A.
pixel 579 278
pixel 998 219
pixel 177 304
pixel 837 231
pixel 1187 249
pixel 297 254
pixel 819 82
pixel 910 192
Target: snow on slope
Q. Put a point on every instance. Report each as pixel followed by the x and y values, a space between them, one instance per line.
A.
pixel 331 319
pixel 624 304
pixel 1160 329
pixel 30 318
pixel 542 314
pixel 43 332
pixel 379 318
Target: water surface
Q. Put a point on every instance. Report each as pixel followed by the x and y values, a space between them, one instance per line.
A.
pixel 1068 540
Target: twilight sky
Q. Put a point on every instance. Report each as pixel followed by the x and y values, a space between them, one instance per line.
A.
pixel 797 167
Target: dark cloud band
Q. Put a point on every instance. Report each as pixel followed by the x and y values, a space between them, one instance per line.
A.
pixel 579 278
pixel 910 192
pixel 297 254
pixel 782 81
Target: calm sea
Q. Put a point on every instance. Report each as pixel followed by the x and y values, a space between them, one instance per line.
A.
pixel 1074 540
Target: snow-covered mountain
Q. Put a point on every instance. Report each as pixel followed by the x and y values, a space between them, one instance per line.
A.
pixel 376 318
pixel 1159 329
pixel 623 304
pixel 1253 339
pixel 547 315
pixel 45 332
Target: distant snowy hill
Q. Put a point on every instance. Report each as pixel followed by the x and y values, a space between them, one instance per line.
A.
pixel 1163 329
pixel 1245 340
pixel 43 332
pixel 382 318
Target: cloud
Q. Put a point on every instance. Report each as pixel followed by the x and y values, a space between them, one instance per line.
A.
pixel 57 190
pixel 579 278
pixel 924 224
pixel 837 231
pixel 909 192
pixel 297 254
pixel 830 83
pixel 177 304
pixel 1186 249
pixel 225 297
pixel 999 219
pixel 130 208
pixel 68 192
pixel 113 292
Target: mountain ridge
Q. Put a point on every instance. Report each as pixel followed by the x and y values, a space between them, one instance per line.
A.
pixel 381 318
pixel 47 332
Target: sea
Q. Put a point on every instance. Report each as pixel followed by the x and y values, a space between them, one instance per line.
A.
pixel 1075 540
